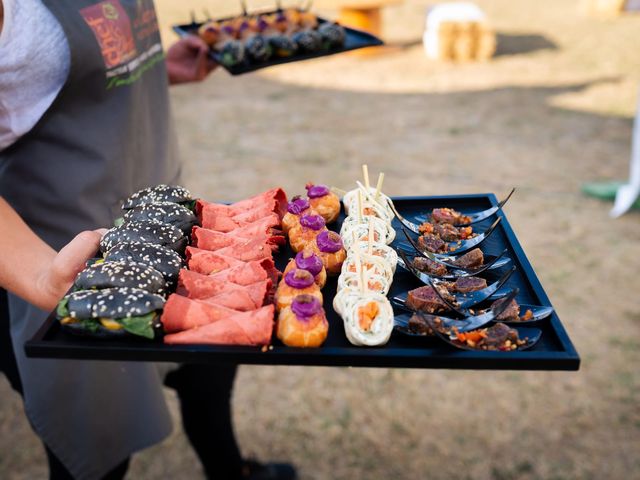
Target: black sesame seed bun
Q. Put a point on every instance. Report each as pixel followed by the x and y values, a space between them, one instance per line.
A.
pixel 282 45
pixel 147 232
pixel 258 48
pixel 308 41
pixel 121 274
pixel 332 34
pixel 163 259
pixel 164 212
pixel 86 308
pixel 159 193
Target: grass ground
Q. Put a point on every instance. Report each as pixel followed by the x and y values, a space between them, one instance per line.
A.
pixel 550 112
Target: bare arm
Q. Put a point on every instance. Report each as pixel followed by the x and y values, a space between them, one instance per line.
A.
pixel 32 269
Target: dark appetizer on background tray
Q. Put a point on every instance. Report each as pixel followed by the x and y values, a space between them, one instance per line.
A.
pixel 258 38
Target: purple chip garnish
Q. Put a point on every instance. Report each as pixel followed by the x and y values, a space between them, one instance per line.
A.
pixel 315 191
pixel 298 278
pixel 314 222
pixel 305 306
pixel 311 263
pixel 262 24
pixel 329 242
pixel 297 205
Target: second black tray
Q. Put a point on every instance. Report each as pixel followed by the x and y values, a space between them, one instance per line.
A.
pixel 554 351
pixel 355 39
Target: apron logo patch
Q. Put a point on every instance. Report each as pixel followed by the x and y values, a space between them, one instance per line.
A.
pixel 112 28
pixel 129 42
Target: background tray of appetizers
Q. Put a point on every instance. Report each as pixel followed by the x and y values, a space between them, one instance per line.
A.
pixel 354 39
pixel 554 351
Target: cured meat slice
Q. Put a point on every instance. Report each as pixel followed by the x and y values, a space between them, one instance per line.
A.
pixel 210 211
pixel 236 299
pixel 247 251
pixel 274 199
pixel 260 227
pixel 198 286
pixel 204 208
pixel 230 224
pixel 250 272
pixel 206 262
pixel 214 240
pixel 212 263
pixel 220 224
pixel 257 213
pixel 181 313
pixel 276 194
pixel 222 217
pixel 252 328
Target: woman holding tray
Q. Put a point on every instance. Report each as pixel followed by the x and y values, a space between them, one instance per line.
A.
pixel 84 122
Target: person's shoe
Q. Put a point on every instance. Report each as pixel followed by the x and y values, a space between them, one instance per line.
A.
pixel 252 470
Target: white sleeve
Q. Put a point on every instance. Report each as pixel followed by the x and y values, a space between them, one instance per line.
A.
pixel 34 64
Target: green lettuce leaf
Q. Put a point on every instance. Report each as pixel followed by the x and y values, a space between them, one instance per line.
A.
pixel 62 310
pixel 142 326
pixel 191 204
pixel 91 325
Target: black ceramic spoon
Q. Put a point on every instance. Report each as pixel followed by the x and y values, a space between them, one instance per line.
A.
pixel 457 247
pixel 532 336
pixel 454 273
pixel 469 323
pixel 473 217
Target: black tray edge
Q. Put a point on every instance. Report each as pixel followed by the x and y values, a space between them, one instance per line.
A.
pixel 570 351
pixel 183 30
pixel 322 357
pixel 567 360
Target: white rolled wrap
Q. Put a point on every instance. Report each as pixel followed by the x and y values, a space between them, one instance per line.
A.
pixel 381 327
pixel 381 206
pixel 378 249
pixel 375 282
pixel 370 264
pixel 352 228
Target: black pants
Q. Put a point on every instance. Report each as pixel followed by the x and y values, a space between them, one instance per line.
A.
pixel 205 402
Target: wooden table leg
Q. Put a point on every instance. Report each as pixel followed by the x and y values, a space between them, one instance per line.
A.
pixel 367 19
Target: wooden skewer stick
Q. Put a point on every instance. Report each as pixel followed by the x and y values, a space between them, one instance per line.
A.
pixel 359 271
pixel 379 186
pixel 370 238
pixel 365 174
pixel 365 281
pixel 367 195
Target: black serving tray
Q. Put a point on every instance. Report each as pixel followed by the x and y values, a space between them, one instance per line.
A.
pixel 554 351
pixel 354 40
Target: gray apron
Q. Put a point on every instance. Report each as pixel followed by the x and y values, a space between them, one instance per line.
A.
pixel 107 135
